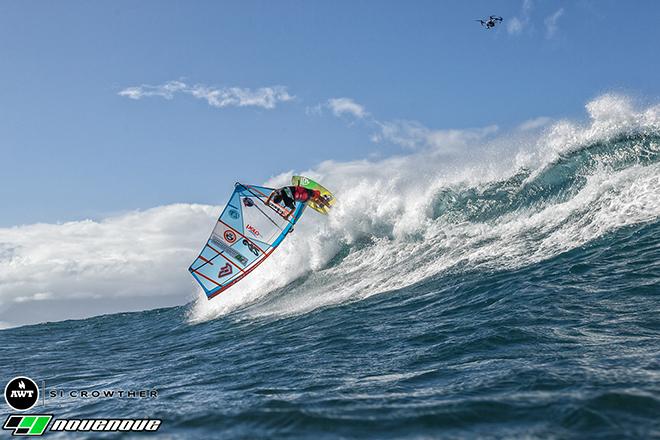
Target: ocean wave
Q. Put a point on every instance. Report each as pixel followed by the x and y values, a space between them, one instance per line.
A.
pixel 507 202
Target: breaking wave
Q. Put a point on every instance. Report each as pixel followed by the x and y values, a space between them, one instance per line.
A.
pixel 503 203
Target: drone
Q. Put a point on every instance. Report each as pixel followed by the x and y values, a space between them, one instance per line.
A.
pixel 491 22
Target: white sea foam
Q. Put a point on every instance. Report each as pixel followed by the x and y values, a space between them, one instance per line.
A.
pixel 388 203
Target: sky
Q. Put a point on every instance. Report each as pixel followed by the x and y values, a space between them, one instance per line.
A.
pixel 113 107
pixel 74 147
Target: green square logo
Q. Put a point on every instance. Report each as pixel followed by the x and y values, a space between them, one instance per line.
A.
pixel 31 424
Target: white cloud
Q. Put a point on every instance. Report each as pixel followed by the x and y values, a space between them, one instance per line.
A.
pixel 166 90
pixel 551 23
pixel 408 134
pixel 39 296
pixel 413 135
pixel 534 124
pixel 346 106
pixel 139 254
pixel 316 110
pixel 517 24
pixel 514 26
pixel 264 97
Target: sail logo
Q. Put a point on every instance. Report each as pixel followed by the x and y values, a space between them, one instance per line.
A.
pixel 253 230
pixel 229 236
pixel 21 393
pixel 251 247
pixel 225 270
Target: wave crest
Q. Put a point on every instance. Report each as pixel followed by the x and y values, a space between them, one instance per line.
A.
pixel 510 201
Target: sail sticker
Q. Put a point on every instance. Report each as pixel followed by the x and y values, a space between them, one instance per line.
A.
pixel 254 231
pixel 225 270
pixel 252 248
pixel 229 236
pixel 230 251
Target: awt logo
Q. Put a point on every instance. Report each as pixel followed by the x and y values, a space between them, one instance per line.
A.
pixel 21 393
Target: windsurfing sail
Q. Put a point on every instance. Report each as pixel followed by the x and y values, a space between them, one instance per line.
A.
pixel 247 232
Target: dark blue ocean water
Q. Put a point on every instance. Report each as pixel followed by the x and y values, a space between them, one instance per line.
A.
pixel 561 347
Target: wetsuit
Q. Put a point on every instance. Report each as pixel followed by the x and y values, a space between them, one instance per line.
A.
pixel 291 194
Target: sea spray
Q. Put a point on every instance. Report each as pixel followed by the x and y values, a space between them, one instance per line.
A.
pixel 507 202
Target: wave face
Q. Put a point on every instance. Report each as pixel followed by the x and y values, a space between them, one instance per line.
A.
pixel 510 291
pixel 501 204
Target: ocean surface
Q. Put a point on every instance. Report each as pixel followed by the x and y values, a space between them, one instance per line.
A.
pixel 517 304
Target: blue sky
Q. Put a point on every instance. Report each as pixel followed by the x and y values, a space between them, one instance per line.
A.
pixel 72 146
